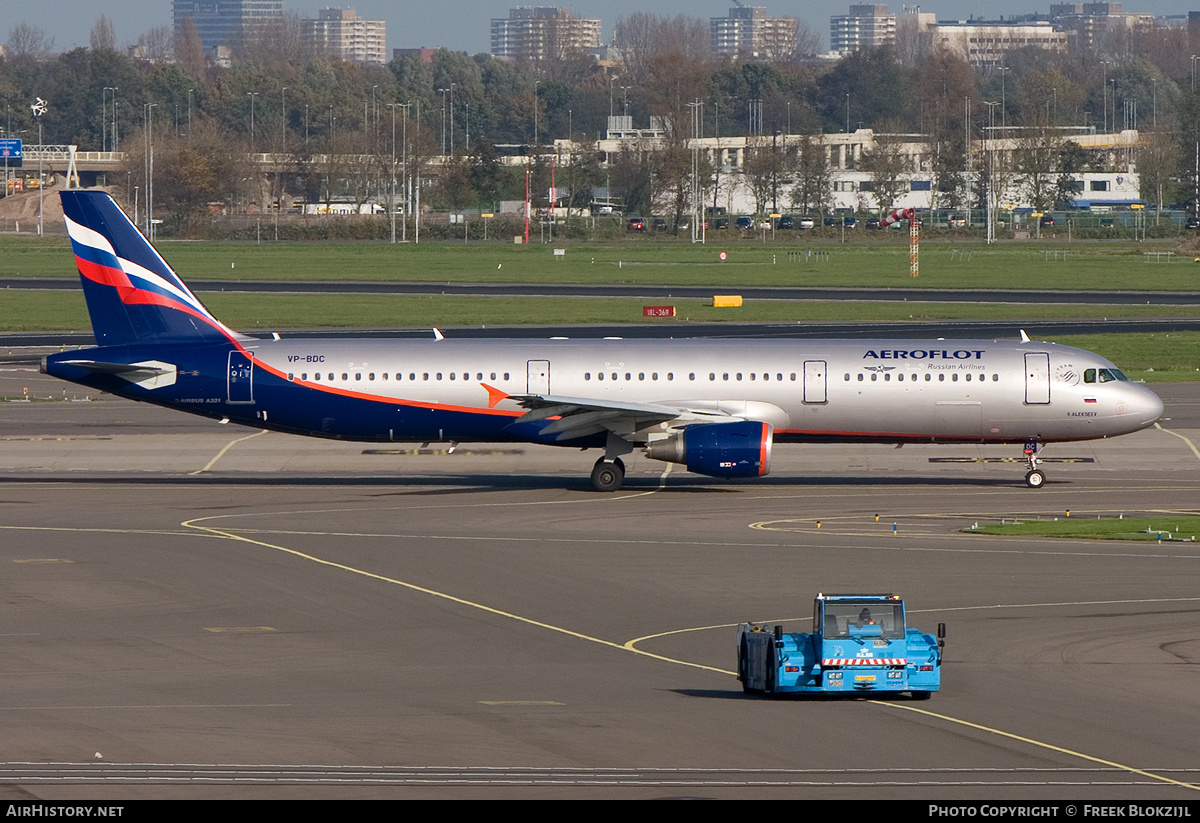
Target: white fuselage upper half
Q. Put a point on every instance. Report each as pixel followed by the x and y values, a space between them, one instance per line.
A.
pixel 887 390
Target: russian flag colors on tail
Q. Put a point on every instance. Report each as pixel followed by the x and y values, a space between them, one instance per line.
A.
pixel 133 296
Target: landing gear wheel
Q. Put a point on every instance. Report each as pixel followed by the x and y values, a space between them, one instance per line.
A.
pixel 607 476
pixel 1035 479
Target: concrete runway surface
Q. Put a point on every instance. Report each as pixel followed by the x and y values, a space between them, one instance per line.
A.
pixel 193 610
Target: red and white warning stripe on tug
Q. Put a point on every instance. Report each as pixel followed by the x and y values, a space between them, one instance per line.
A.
pixel 865 661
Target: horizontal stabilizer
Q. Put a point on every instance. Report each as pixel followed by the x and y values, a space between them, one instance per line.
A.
pixel 150 374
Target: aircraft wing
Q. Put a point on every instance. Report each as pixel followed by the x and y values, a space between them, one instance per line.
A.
pixel 573 417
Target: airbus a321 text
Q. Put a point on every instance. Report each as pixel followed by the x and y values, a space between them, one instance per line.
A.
pixel 715 406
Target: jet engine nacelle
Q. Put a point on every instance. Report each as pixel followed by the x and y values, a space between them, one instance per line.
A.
pixel 738 449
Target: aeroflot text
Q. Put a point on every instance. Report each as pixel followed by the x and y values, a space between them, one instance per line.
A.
pixel 923 354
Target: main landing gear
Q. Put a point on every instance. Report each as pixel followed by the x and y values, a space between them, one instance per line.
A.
pixel 1035 478
pixel 608 475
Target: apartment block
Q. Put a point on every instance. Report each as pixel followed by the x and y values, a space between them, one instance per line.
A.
pixel 533 34
pixel 222 22
pixel 748 32
pixel 866 26
pixel 340 34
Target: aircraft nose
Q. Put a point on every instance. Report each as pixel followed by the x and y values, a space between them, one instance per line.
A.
pixel 1149 406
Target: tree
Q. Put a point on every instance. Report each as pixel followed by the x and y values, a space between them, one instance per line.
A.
pixel 888 165
pixel 28 44
pixel 103 37
pixel 765 169
pixel 643 37
pixel 1158 159
pixel 944 85
pixel 630 177
pixel 1035 161
pixel 1073 160
pixel 873 83
pixel 189 48
pixel 157 44
pixel 814 178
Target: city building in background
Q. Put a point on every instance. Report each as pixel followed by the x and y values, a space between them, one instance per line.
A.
pixel 749 33
pixel 1087 23
pixel 340 34
pixel 222 22
pixel 986 43
pixel 866 26
pixel 534 34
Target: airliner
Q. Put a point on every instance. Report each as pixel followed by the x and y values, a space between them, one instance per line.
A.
pixel 715 406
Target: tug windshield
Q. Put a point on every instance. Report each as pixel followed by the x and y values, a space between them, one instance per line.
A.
pixel 874 618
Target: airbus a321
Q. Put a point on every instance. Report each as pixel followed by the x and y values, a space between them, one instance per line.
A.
pixel 715 406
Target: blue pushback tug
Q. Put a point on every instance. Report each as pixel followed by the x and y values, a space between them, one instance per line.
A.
pixel 860 644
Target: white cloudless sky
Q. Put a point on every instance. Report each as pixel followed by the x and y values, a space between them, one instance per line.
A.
pixel 464 26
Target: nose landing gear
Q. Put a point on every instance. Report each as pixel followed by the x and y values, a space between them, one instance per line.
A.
pixel 1035 478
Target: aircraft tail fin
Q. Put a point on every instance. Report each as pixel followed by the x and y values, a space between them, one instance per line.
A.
pixel 132 295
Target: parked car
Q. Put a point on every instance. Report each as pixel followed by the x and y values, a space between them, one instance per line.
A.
pixel 807 222
pixel 1192 223
pixel 721 223
pixel 850 222
pixel 745 223
pixel 636 224
pixel 956 223
pixel 831 221
pixel 1047 220
pixel 873 223
pixel 786 222
pixel 659 224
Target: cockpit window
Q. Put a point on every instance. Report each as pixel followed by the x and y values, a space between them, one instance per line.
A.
pixel 1103 375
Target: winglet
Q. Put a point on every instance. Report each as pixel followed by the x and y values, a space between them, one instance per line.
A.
pixel 1024 336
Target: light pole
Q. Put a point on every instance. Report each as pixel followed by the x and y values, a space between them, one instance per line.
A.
pixel 282 150
pixel 252 95
pixel 991 188
pixel 697 114
pixel 148 116
pixel 1003 104
pixel 452 118
pixel 392 203
pixel 535 111
pixel 104 115
pixel 1104 93
pixel 443 93
pixel 1196 127
pixel 190 115
pixel 404 172
pixel 38 107
pixel 114 90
